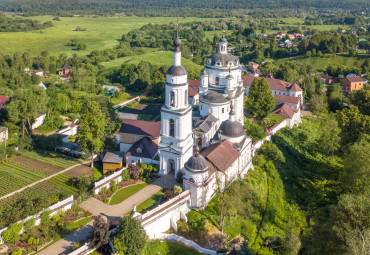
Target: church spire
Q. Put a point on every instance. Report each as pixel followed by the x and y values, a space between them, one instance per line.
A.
pixel 177 52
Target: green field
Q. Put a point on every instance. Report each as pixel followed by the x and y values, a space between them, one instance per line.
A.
pixel 150 203
pixel 321 63
pixel 126 193
pixel 52 158
pixel 167 248
pixel 101 33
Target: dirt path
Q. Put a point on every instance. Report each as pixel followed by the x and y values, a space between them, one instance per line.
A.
pixel 111 212
pixel 39 181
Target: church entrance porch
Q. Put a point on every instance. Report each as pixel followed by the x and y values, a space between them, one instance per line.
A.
pixel 171 167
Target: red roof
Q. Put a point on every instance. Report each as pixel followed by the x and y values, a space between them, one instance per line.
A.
pixel 267 132
pixel 194 83
pixel 3 99
pixel 39 71
pixel 192 92
pixel 354 78
pixel 284 110
pixel 287 99
pixel 141 127
pixel 222 155
pixel 275 84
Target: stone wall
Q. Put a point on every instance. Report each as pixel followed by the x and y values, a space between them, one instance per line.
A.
pixel 105 182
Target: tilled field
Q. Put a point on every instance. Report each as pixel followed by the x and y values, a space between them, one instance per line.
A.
pixel 36 165
pixel 80 170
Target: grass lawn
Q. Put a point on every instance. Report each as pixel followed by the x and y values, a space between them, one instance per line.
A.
pixel 126 193
pixel 156 58
pixel 150 203
pixel 101 33
pixel 167 248
pixel 121 98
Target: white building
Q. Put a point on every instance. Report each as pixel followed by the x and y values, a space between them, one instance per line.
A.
pixel 39 120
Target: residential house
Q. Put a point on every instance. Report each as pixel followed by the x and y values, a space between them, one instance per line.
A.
pixel 326 79
pixel 112 161
pixel 291 37
pixel 39 120
pixel 288 113
pixel 278 87
pixel 42 85
pixel 68 130
pixel 352 83
pixel 299 36
pixel 132 131
pixel 3 100
pixel 292 101
pixel 3 134
pixel 144 150
pixel 65 70
pixel 253 65
pixel 39 73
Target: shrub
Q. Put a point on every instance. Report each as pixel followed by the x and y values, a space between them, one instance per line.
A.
pixel 135 171
pixel 45 217
pixel 177 189
pixel 30 240
pixel 106 200
pixel 125 175
pixel 196 221
pixel 17 252
pixel 55 218
pixel 12 233
pixel 29 225
pixel 113 186
pixel 150 168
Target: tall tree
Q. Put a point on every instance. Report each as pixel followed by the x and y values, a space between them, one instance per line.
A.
pixel 130 238
pixel 100 235
pixel 361 98
pixel 329 139
pixel 260 101
pixel 92 129
pixel 317 103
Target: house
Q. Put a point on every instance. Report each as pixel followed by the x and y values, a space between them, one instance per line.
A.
pixel 3 100
pixel 326 79
pixel 3 134
pixel 39 73
pixel 39 120
pixel 292 101
pixel 352 83
pixel 193 96
pixel 42 85
pixel 65 70
pixel 111 88
pixel 299 36
pixel 278 87
pixel 132 131
pixel 69 130
pixel 253 65
pixel 144 150
pixel 112 161
pixel 288 113
pixel 341 30
pixel 291 37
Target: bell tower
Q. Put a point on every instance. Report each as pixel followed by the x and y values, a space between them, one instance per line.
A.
pixel 176 118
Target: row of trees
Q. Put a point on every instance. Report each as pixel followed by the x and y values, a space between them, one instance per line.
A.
pixel 9 24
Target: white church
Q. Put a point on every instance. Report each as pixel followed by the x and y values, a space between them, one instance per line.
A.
pixel 208 147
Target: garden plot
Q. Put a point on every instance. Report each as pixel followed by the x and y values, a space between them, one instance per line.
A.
pixel 36 165
pixel 80 170
pixel 52 158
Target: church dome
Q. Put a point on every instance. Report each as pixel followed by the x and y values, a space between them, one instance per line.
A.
pixel 214 98
pixel 223 39
pixel 176 70
pixel 224 59
pixel 232 129
pixel 177 42
pixel 197 163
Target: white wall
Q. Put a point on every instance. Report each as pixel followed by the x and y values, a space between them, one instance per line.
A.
pixel 38 121
pixel 105 182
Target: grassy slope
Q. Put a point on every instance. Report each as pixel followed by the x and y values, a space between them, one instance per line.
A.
pixel 165 248
pixel 102 32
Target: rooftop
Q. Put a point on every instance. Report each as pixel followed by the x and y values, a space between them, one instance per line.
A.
pixel 287 99
pixel 141 127
pixel 284 110
pixel 222 155
pixel 354 78
pixel 114 157
pixel 275 84
pixel 144 148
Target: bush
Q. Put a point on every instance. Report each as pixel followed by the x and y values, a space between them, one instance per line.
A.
pixel 106 200
pixel 29 225
pixel 17 252
pixel 45 217
pixel 125 175
pixel 113 186
pixel 135 171
pixel 177 189
pixel 196 220
pixel 55 218
pixel 12 233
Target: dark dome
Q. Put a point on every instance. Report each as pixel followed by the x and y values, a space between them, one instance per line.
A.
pixel 215 98
pixel 223 58
pixel 223 39
pixel 232 129
pixel 197 163
pixel 177 42
pixel 176 70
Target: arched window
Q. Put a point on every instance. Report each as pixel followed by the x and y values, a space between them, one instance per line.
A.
pixel 217 80
pixel 186 97
pixel 172 98
pixel 172 127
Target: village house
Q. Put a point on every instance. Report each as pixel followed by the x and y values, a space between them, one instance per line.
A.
pixel 39 120
pixel 39 73
pixel 3 134
pixel 42 85
pixel 3 100
pixel 326 79
pixel 291 115
pixel 253 65
pixel 352 83
pixel 112 161
pixel 144 150
pixel 65 70
pixel 132 131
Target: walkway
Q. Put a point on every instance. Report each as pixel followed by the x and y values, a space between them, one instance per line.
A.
pixel 46 178
pixel 97 207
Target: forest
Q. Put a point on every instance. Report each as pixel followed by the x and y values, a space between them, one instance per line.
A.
pixel 8 24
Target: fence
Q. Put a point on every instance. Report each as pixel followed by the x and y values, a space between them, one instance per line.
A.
pixel 83 250
pixel 105 182
pixel 64 205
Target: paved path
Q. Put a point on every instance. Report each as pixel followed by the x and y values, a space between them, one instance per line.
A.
pixel 46 178
pixel 96 207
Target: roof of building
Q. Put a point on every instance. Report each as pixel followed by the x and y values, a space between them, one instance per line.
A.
pixel 114 157
pixel 204 123
pixel 275 84
pixel 214 97
pixel 287 99
pixel 67 67
pixel 223 39
pixel 223 58
pixel 197 163
pixel 38 71
pixel 176 70
pixel 144 148
pixel 354 78
pixel 192 92
pixel 3 99
pixel 194 83
pixel 2 129
pixel 326 77
pixel 232 129
pixel 222 155
pixel 284 110
pixel 141 127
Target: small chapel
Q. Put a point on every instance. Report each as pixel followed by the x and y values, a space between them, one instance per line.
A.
pixel 208 148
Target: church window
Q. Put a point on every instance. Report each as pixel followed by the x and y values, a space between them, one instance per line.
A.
pixel 172 127
pixel 217 80
pixel 186 97
pixel 172 98
pixel 223 110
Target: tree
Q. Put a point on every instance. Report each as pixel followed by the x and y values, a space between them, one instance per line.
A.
pixel 317 103
pixel 260 101
pixel 353 124
pixel 134 171
pixel 329 139
pixel 100 232
pixel 11 234
pixel 361 98
pixel 92 129
pixel 271 152
pixel 130 238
